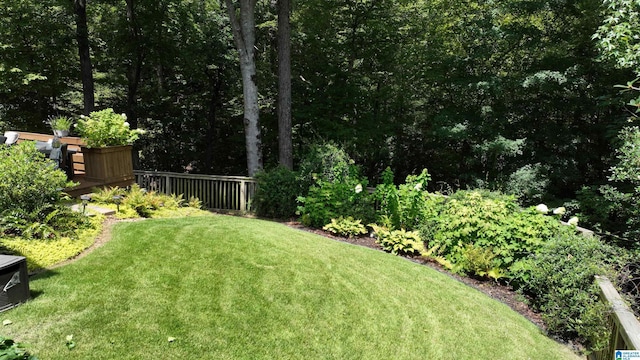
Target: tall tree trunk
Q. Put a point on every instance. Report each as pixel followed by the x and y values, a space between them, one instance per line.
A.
pixel 243 28
pixel 285 147
pixel 133 72
pixel 86 70
pixel 135 65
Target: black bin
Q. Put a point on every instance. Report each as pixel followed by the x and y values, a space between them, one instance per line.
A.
pixel 14 281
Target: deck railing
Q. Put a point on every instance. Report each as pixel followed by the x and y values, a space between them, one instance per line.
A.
pixel 233 193
pixel 625 334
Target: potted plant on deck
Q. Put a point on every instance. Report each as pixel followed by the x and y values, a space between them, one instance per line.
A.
pixel 107 153
pixel 60 125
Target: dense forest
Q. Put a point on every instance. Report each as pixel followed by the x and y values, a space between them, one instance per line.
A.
pixel 509 95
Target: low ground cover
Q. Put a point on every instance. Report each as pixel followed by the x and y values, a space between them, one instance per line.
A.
pixel 225 287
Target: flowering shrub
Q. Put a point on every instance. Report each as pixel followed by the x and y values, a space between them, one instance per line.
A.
pixel 106 128
pixel 488 221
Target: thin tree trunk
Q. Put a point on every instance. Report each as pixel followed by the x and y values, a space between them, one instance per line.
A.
pixel 133 72
pixel 243 29
pixel 86 70
pixel 285 147
pixel 135 67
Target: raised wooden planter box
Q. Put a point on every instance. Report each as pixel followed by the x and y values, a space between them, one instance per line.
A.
pixel 108 165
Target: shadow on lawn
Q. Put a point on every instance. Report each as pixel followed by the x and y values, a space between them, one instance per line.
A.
pixel 40 275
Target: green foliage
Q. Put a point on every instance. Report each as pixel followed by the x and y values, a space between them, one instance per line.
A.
pixel 106 195
pixel 106 128
pixel 326 162
pixel 194 203
pixel 140 202
pixel 44 253
pixel 346 227
pixel 628 154
pixel 480 262
pixel 276 194
pixel 28 181
pixel 327 200
pixel 559 281
pixel 488 221
pixel 403 206
pixel 11 350
pixel 60 123
pixel 528 184
pixel 615 35
pixel 399 242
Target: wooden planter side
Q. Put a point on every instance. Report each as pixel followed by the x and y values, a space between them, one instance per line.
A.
pixel 108 165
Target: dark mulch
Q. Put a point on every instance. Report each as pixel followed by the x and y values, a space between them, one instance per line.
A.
pixel 495 290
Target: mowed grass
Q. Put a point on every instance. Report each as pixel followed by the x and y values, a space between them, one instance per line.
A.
pixel 234 288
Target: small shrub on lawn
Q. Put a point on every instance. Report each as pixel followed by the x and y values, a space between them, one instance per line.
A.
pixel 399 242
pixel 559 281
pixel 346 227
pixel 277 192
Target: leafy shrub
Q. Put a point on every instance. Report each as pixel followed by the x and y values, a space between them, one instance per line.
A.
pixel 277 192
pixel 28 181
pixel 399 242
pixel 480 261
pixel 106 128
pixel 559 281
pixel 49 221
pixel 326 162
pixel 489 221
pixel 326 201
pixel 139 202
pixel 346 227
pixel 528 184
pixel 106 195
pixel 403 206
pixel 11 350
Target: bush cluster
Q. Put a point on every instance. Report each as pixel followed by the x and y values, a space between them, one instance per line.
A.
pixel 277 192
pixel 468 220
pixel 559 281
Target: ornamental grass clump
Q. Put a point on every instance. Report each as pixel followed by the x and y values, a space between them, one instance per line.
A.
pixel 106 128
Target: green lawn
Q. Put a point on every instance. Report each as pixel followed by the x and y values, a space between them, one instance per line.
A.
pixel 234 288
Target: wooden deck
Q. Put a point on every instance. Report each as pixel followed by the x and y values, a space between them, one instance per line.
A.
pixel 76 160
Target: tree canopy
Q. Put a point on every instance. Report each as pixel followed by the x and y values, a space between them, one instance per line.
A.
pixel 504 94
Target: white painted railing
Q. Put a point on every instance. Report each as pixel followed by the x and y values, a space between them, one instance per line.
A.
pixel 216 192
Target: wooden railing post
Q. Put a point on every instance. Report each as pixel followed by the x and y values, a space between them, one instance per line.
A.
pixel 243 194
pixel 626 327
pixel 167 188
